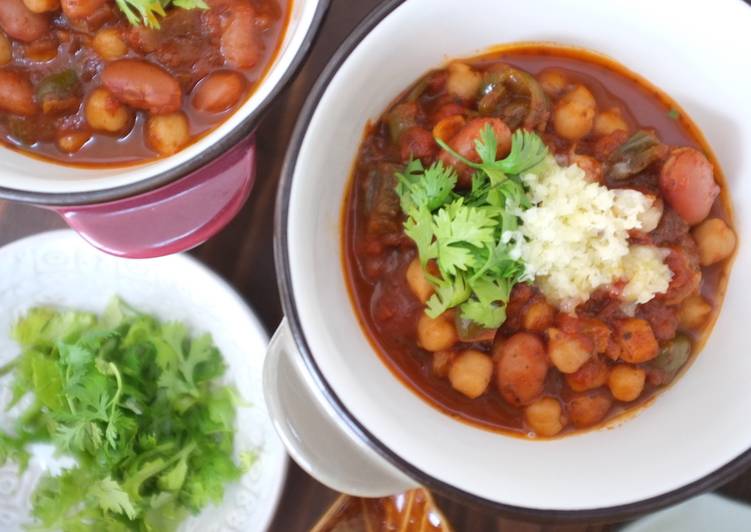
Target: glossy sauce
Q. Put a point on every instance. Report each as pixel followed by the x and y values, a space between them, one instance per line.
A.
pixel 389 312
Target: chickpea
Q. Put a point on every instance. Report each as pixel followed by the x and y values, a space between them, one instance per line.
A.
pixel 42 6
pixel 463 81
pixel 538 316
pixel 436 334
pixel 470 373
pixel 167 134
pixel 442 362
pixel 553 82
pixel 6 50
pixel 609 121
pixel 626 382
pixel 219 91
pixel 521 368
pixel 693 312
pixel 72 141
pixel 636 340
pixel 545 416
pixel 105 113
pixel 109 44
pixel 418 283
pixel 714 240
pixel 568 351
pixel 591 375
pixel 590 408
pixel 574 114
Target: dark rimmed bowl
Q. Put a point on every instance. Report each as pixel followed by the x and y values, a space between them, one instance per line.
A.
pixel 693 438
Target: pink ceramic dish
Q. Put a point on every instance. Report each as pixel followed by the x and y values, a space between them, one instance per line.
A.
pixel 170 204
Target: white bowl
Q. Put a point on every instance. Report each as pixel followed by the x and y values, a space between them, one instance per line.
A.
pixel 58 268
pixel 695 434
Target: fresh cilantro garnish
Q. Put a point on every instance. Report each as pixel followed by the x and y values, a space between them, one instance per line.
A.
pixel 471 236
pixel 148 12
pixel 527 151
pixel 137 403
pixel 673 114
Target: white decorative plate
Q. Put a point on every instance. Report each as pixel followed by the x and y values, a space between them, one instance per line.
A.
pixel 59 268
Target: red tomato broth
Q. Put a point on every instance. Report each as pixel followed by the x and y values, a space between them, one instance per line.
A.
pixel 385 306
pixel 131 148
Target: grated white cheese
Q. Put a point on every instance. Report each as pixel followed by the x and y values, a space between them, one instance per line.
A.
pixel 576 238
pixel 647 273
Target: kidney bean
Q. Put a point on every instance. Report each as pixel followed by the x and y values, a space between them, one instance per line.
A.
pixel 16 93
pixel 80 9
pixel 143 85
pixel 241 45
pixel 219 91
pixel 687 182
pixel 20 23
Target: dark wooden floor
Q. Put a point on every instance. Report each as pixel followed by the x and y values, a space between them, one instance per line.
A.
pixel 242 253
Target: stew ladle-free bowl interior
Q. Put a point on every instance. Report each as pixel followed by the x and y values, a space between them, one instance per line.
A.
pixel 693 436
pixel 168 204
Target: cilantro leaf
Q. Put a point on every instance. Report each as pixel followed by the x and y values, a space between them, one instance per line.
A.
pixel 418 187
pixel 448 294
pixel 111 498
pixel 527 151
pixel 470 235
pixel 483 314
pixel 419 227
pixel 137 403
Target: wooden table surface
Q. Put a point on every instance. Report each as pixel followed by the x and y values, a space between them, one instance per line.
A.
pixel 242 253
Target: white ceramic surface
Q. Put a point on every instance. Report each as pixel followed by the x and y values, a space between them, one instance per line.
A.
pixel 696 52
pixel 20 172
pixel 59 268
pixel 311 430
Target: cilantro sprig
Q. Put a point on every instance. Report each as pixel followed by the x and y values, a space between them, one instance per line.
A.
pixel 470 236
pixel 148 12
pixel 137 403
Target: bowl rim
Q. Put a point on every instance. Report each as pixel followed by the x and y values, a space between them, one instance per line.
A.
pixel 223 145
pixel 712 480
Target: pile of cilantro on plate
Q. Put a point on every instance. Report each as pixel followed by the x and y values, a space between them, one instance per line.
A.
pixel 137 403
